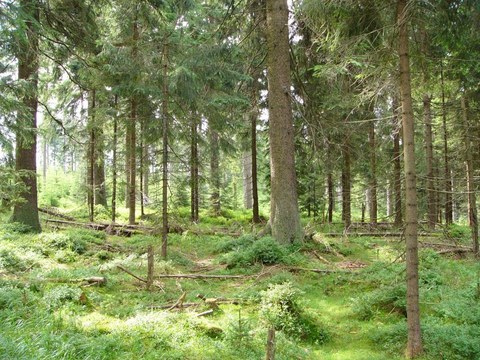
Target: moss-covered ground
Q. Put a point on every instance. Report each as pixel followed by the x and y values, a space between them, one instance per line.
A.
pixel 355 310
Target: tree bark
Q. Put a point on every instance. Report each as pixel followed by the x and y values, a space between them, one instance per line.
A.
pixel 431 196
pixel 448 179
pixel 165 151
pixel 346 184
pixel 194 170
pixel 397 168
pixel 472 200
pixel 414 343
pixel 247 179
pixel 100 191
pixel 114 161
pixel 91 157
pixel 253 119
pixel 373 207
pixel 214 171
pixel 26 137
pixel 284 214
pixel 330 197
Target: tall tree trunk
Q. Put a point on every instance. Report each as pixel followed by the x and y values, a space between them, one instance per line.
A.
pixel 142 164
pixel 247 179
pixel 448 179
pixel 44 161
pixel 330 196
pixel 132 141
pixel 373 207
pixel 114 161
pixel 397 168
pixel 91 156
pixel 194 170
pixel 253 123
pixel 100 193
pixel 284 214
pixel 214 171
pixel 127 166
pixel 472 200
pixel 414 344
pixel 431 196
pixel 26 140
pixel 346 184
pixel 165 152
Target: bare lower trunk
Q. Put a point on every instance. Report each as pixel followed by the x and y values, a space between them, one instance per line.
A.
pixel 270 345
pixel 215 171
pixel 132 163
pixel 448 179
pixel 26 142
pixel 432 203
pixel 372 204
pixel 194 170
pixel 346 185
pixel 414 343
pixel 91 157
pixel 247 179
pixel 165 152
pixel 114 161
pixel 330 196
pixel 397 169
pixel 284 214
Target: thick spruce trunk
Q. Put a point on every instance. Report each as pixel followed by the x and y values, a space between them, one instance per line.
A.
pixel 165 117
pixel 26 137
pixel 431 196
pixel 284 214
pixel 414 343
pixel 448 178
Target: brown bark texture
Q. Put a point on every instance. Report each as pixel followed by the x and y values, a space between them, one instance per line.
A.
pixel 284 214
pixel 414 342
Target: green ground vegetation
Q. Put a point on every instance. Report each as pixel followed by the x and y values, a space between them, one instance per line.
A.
pixel 353 310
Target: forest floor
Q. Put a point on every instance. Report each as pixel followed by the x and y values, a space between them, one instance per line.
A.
pixel 64 295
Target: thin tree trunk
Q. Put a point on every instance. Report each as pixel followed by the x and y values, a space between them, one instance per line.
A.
pixel 214 171
pixel 431 196
pixel 346 185
pixel 165 152
pixel 142 164
pixel 414 344
pixel 114 161
pixel 194 170
pixel 472 200
pixel 247 179
pixel 26 140
pixel 330 196
pixel 270 355
pixel 448 179
pixel 255 211
pixel 373 207
pixel 91 157
pixel 397 168
pixel 284 214
pixel 100 191
pixel 45 161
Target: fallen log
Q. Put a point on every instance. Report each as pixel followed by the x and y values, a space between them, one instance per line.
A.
pixel 208 312
pixel 57 214
pixel 319 271
pixel 131 274
pixel 93 280
pixel 200 276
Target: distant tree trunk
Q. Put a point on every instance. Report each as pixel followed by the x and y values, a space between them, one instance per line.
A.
pixel 91 157
pixel 448 179
pixel 26 138
pixel 253 122
pixel 194 170
pixel 142 166
pixel 165 151
pixel 146 171
pixel 132 161
pixel 131 134
pixel 44 161
pixel 127 166
pixel 214 171
pixel 472 200
pixel 397 168
pixel 414 344
pixel 346 184
pixel 388 197
pixel 431 200
pixel 372 205
pixel 330 196
pixel 114 161
pixel 284 214
pixel 100 193
pixel 247 179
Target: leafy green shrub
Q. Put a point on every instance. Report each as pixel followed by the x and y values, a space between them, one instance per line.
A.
pixel 265 251
pixel 11 262
pixel 87 235
pixel 16 228
pixel 458 233
pixel 55 240
pixel 280 308
pixel 104 255
pixel 387 299
pixel 235 244
pixel 10 297
pixel 60 295
pixel 65 256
